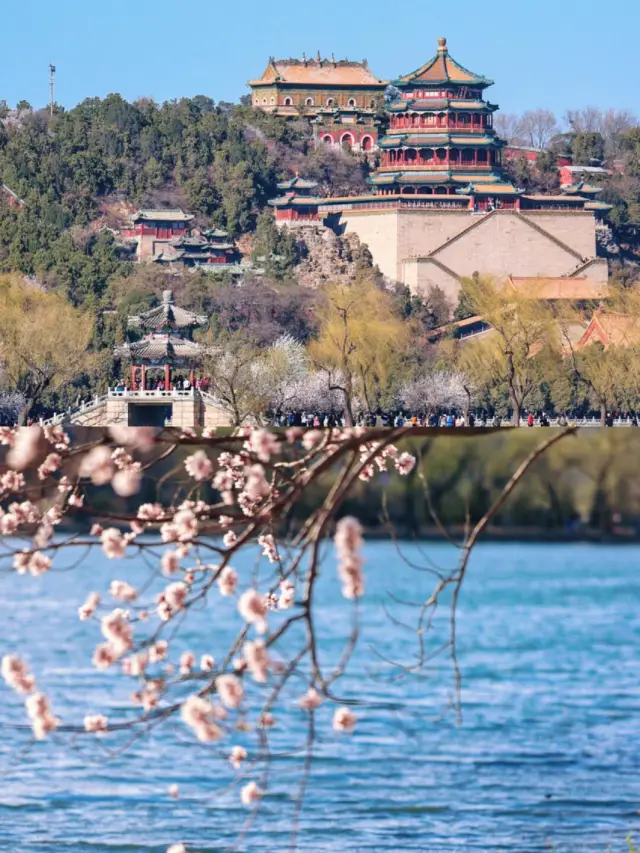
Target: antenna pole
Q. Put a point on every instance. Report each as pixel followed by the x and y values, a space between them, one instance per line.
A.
pixel 52 76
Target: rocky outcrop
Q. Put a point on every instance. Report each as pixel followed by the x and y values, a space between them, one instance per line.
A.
pixel 327 257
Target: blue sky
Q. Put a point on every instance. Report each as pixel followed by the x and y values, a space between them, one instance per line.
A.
pixel 545 53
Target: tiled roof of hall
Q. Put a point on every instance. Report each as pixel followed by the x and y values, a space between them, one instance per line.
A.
pixel 443 177
pixel 167 316
pixel 164 215
pixel 393 140
pixel 483 188
pixel 430 104
pixel 297 183
pixel 440 69
pixel 319 72
pixel 297 200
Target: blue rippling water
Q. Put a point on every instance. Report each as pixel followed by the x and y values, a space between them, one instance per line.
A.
pixel 547 756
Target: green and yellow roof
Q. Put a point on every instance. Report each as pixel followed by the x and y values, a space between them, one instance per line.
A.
pixel 297 183
pixel 430 104
pixel 439 70
pixel 439 140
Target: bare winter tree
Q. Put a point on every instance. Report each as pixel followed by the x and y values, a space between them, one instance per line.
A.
pixel 536 128
pixel 231 493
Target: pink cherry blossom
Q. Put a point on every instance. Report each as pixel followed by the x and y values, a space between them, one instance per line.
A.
pixel 250 793
pixel 177 848
pixel 311 438
pixel 229 539
pixel 187 662
pixel 310 700
pixel 175 595
pixel 348 541
pixel 114 544
pixel 237 755
pixel 136 664
pixel 263 443
pixel 95 723
pixel 230 690
pixel 227 581
pixel 127 482
pixel 173 791
pixel 43 721
pixel 123 591
pixel 158 651
pixel 96 530
pixel 257 659
pixel 89 607
pixel 199 715
pixel 207 663
pixel 287 595
pixel 16 673
pixel 253 609
pixel 26 447
pixel 150 512
pixel 136 438
pixel 170 563
pixel 103 656
pixel 98 465
pixel 199 466
pixel 267 720
pixel 405 463
pixel 118 632
pixel 268 545
pixel 344 720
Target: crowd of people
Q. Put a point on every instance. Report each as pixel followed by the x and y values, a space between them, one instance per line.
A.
pixel 177 383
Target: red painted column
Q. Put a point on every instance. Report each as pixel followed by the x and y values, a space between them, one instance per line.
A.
pixel 167 378
pixel 192 378
pixel 143 377
pixel 133 377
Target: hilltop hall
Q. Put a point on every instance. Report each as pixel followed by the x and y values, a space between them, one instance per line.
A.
pixel 440 207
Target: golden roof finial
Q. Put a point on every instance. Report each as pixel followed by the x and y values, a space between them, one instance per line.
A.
pixel 442 45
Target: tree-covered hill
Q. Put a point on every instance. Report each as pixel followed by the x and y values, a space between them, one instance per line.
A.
pixel 220 161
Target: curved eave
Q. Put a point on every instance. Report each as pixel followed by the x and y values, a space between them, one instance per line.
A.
pixel 412 81
pixel 423 105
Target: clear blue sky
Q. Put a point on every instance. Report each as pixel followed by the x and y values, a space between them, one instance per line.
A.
pixel 552 53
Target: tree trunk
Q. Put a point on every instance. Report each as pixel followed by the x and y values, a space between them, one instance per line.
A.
pixel 24 412
pixel 348 413
pixel 603 414
pixel 516 413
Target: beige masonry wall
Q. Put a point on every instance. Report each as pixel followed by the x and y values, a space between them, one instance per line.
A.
pixel 423 248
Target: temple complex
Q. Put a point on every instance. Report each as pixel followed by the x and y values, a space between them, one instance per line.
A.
pixel 152 230
pixel 441 207
pixel 210 249
pixel 340 97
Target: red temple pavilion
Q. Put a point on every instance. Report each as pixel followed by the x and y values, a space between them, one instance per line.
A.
pixel 167 344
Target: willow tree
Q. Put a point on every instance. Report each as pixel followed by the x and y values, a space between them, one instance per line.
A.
pixel 44 341
pixel 362 345
pixel 522 348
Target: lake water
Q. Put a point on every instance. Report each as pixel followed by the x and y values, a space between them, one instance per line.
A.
pixel 547 756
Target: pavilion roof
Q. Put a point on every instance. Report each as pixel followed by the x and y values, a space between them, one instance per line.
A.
pixel 318 72
pixel 165 215
pixel 442 177
pixel 160 347
pixel 297 183
pixel 441 68
pixel 425 137
pixel 288 200
pixel 582 187
pixel 167 316
pixel 482 188
pixel 420 104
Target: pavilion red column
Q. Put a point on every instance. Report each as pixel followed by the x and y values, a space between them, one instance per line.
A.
pixel 167 378
pixel 143 377
pixel 192 378
pixel 133 377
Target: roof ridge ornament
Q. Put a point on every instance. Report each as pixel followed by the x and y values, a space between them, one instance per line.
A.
pixel 442 46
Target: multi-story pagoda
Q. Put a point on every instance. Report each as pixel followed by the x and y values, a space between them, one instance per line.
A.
pixel 167 344
pixel 340 97
pixel 441 139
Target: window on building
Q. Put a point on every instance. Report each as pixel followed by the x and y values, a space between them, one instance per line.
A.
pixel 272 100
pixel 351 102
pixel 264 100
pixel 327 140
pixel 329 102
pixel 309 102
pixel 257 101
pixel 288 102
pixel 367 143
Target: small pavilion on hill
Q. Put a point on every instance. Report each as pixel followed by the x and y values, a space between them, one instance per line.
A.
pixel 167 343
